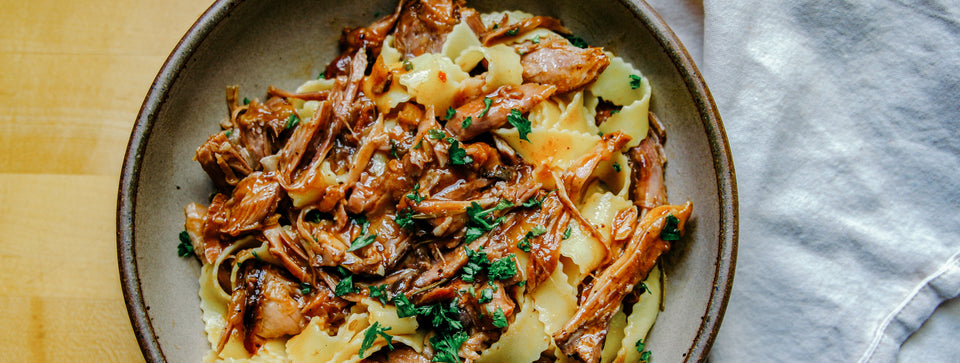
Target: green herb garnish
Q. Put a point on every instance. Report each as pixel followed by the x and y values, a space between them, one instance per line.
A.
pixel 415 194
pixel 577 41
pixel 486 106
pixel 447 347
pixel 407 66
pixel 322 75
pixel 292 121
pixel 525 243
pixel 513 31
pixel 345 286
pixel 458 155
pixel 246 101
pixel 436 134
pixel 404 218
pixel 371 335
pixel 185 248
pixel 566 234
pixel 499 318
pixel 476 262
pixel 451 112
pixel 635 81
pixel 616 166
pixel 486 295
pixel 466 122
pixel 305 288
pixel 405 308
pixel 522 124
pixel 670 231
pixel 503 268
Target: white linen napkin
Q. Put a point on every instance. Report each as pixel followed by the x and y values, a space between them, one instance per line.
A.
pixel 844 122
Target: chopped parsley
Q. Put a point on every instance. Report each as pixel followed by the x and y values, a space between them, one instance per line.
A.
pixel 478 222
pixel 254 253
pixel 513 31
pixel 458 155
pixel 404 218
pixel 415 194
pixel 670 232
pixel 361 242
pixel 305 288
pixel 499 318
pixel 577 41
pixel 600 133
pixel 451 112
pixel 486 106
pixel 525 243
pixel 533 202
pixel 246 101
pixel 446 347
pixel 476 262
pixel 322 75
pixel 644 289
pixel 466 122
pixel 616 166
pixel 185 248
pixel 503 268
pixel 437 134
pixel 443 317
pixel 522 124
pixel 292 121
pixel 393 149
pixel 535 40
pixel 345 286
pixel 405 308
pixel 379 292
pixel 640 344
pixel 486 295
pixel 522 283
pixel 635 81
pixel 371 335
pixel 566 234
pixel 228 133
pixel 645 355
pixel 614 112
pixel 417 146
pixel 407 66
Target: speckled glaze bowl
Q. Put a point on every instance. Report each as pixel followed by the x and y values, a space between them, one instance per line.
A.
pixel 258 43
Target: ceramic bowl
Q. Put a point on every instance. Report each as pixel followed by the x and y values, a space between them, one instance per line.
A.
pixel 258 43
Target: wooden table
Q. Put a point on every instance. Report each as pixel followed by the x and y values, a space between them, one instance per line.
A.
pixel 73 76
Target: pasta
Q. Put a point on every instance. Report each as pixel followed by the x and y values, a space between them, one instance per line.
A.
pixel 455 187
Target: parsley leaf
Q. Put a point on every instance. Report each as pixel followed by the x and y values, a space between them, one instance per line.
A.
pixel 371 335
pixel 345 286
pixel 640 346
pixel 305 288
pixel 443 317
pixel 314 216
pixel 616 166
pixel 322 75
pixel 577 41
pixel 486 295
pixel 535 40
pixel 566 234
pixel 478 223
pixel 476 261
pixel 379 292
pixel 404 218
pixel 185 248
pixel 513 31
pixel 499 318
pixel 246 101
pixel 407 66
pixel 503 268
pixel 486 106
pixel 614 112
pixel 645 356
pixel 292 121
pixel 361 242
pixel 415 194
pixel 437 134
pixel 522 124
pixel 670 231
pixel 635 81
pixel 393 149
pixel 458 155
pixel 405 308
pixel 451 112
pixel 533 202
pixel 446 347
pixel 466 123
pixel 525 243
pixel 644 289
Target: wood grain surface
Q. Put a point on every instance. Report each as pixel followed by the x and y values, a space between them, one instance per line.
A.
pixel 74 74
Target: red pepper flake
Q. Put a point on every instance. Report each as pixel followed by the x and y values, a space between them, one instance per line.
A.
pixel 442 75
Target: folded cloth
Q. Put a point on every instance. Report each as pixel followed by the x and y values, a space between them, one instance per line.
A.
pixel 844 122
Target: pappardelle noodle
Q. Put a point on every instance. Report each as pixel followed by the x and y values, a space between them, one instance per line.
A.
pixel 453 187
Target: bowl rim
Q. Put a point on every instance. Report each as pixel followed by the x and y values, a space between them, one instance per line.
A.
pixel 170 72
